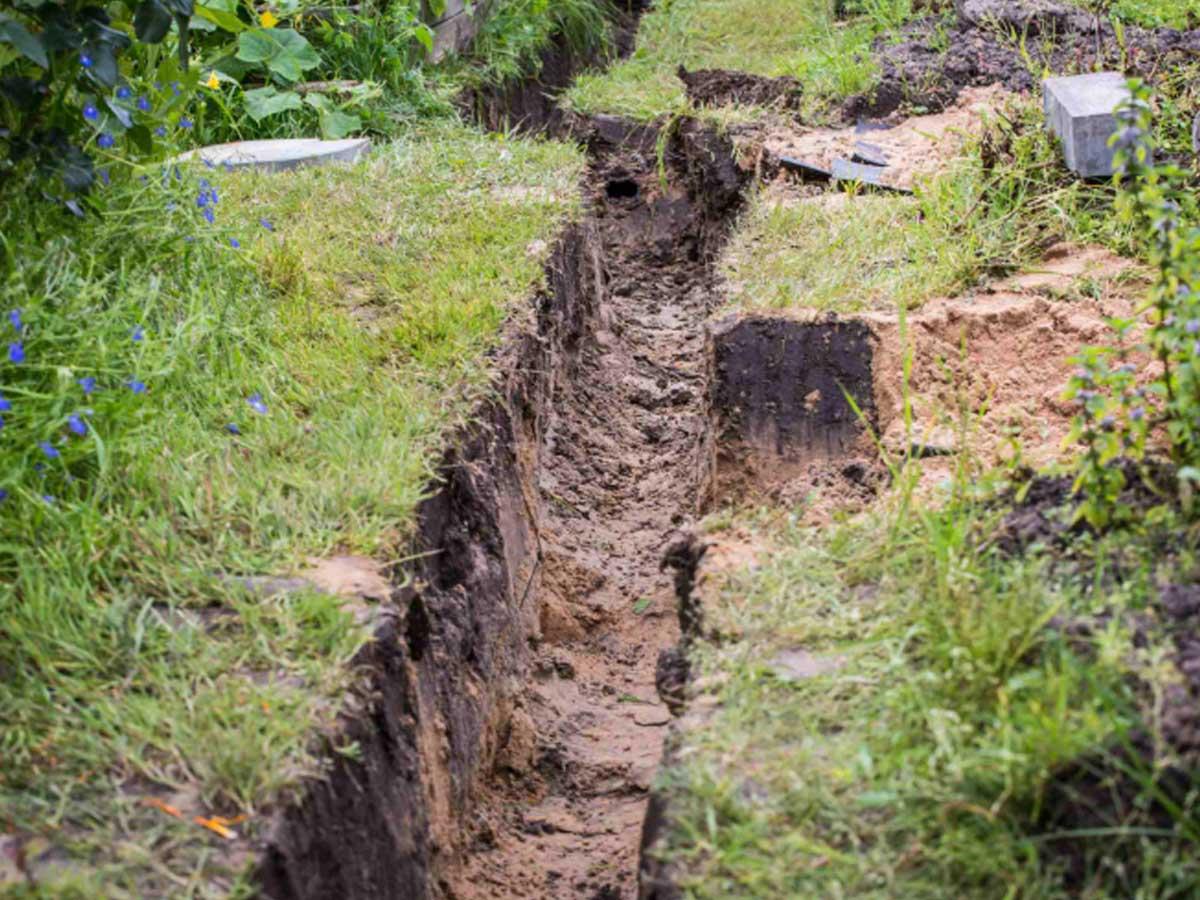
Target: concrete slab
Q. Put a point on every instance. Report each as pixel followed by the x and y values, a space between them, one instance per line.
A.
pixel 869 176
pixel 285 154
pixel 1080 111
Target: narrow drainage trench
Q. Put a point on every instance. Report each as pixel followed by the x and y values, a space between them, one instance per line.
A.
pixel 622 468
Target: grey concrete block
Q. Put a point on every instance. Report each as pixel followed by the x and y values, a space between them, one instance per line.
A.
pixel 283 154
pixel 1080 110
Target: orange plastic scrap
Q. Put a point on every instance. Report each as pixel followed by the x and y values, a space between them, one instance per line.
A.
pixel 216 826
pixel 164 807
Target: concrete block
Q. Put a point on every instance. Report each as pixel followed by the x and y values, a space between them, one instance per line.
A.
pixel 1080 110
pixel 284 154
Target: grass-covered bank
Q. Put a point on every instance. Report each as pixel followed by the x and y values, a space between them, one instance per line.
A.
pixel 804 40
pixel 896 704
pixel 180 408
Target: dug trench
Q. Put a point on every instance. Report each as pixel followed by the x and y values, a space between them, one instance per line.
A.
pixel 508 728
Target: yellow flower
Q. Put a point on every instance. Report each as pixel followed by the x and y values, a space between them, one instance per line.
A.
pixel 268 19
pixel 213 82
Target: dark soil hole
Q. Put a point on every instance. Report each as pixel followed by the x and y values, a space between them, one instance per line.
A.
pixel 621 189
pixel 792 399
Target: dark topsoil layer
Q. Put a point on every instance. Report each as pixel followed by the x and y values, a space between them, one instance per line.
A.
pixel 718 87
pixel 981 44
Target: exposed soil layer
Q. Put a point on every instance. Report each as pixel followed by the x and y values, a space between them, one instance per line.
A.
pixel 932 63
pixel 780 403
pixel 621 471
pixel 720 87
pixel 530 105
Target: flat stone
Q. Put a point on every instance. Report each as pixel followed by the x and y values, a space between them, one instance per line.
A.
pixel 275 156
pixel 800 665
pixel 870 176
pixel 1080 111
pixel 806 170
pixel 869 154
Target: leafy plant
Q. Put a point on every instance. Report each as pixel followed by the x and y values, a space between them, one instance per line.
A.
pixel 1147 386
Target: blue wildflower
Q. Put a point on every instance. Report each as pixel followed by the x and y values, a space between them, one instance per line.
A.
pixel 88 383
pixel 235 243
pixel 14 316
pixel 5 404
pixel 212 195
pixel 3 495
pixel 1192 326
pixel 1137 413
pixel 185 123
pixel 232 428
pixel 49 449
pixel 1 423
pixel 91 113
pixel 137 334
pixel 85 60
pixel 256 404
pixel 175 87
pixel 76 424
pixel 105 141
pixel 160 131
pixel 178 174
pixel 16 352
pixel 265 223
pixel 124 93
pixel 104 177
pixel 143 104
pixel 48 499
pixel 136 386
pixel 209 216
pixel 202 199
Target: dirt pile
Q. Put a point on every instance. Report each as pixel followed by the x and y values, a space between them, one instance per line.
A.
pixel 1009 42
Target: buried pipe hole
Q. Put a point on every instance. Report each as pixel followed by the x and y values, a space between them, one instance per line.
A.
pixel 621 188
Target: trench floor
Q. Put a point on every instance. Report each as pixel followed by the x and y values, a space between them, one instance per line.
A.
pixel 620 472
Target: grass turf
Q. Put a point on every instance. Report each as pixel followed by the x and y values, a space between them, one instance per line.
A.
pixel 359 311
pixel 800 38
pixel 919 765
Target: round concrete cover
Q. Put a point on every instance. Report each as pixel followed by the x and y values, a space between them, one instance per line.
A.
pixel 286 154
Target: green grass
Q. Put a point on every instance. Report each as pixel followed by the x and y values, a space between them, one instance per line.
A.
pixel 874 251
pixel 363 320
pixel 1148 13
pixel 800 38
pixel 918 769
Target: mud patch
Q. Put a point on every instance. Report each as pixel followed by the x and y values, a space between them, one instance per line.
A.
pixel 721 87
pixel 932 63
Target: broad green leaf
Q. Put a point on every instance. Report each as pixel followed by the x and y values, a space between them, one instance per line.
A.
pixel 424 34
pixel 319 102
pixel 151 22
pixel 224 19
pixel 285 52
pixel 267 101
pixel 13 32
pixel 336 125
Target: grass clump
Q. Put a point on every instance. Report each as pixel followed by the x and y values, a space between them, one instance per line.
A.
pixel 762 37
pixel 922 764
pixel 1148 13
pixel 192 400
pixel 991 212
